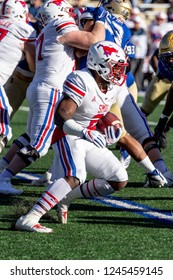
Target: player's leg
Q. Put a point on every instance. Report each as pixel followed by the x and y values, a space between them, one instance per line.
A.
pixel 125 158
pixel 163 141
pixel 134 91
pixel 40 126
pixel 98 187
pixel 155 92
pixel 109 176
pixel 15 89
pixel 5 112
pixel 137 126
pixel 70 172
pixel 22 141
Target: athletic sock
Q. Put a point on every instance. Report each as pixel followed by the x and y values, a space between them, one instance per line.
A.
pixel 147 165
pixel 6 174
pixel 3 164
pixel 52 196
pixel 160 165
pixel 92 188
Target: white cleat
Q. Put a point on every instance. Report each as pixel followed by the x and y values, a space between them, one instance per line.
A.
pixel 169 177
pixel 6 188
pixel 44 181
pixel 62 211
pixel 155 179
pixel 25 223
pixel 125 158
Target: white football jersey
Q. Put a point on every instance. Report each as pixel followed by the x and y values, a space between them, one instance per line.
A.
pixel 54 61
pixel 12 34
pixel 92 103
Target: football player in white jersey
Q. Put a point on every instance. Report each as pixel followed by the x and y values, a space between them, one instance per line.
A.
pixel 20 79
pixel 54 61
pixel 134 120
pixel 87 96
pixel 16 38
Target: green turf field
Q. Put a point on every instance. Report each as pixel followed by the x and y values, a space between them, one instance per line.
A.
pixel 134 225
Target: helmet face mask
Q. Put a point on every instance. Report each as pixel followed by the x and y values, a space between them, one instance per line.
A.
pixel 117 71
pixel 108 60
pixel 166 51
pixel 53 9
pixel 123 8
pixel 15 9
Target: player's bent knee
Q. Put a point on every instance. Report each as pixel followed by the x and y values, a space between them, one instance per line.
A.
pixel 117 186
pixel 149 144
pixel 22 141
pixel 72 181
pixel 28 154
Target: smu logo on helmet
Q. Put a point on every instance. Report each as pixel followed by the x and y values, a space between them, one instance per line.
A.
pixel 23 3
pixel 107 50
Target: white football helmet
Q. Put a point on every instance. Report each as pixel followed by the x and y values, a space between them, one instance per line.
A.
pixel 53 9
pixel 123 8
pixel 109 60
pixel 15 9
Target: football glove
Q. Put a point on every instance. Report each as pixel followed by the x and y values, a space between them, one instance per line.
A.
pixel 100 14
pixel 159 130
pixel 112 135
pixel 95 137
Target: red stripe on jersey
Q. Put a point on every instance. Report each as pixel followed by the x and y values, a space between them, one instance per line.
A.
pixel 66 24
pixel 29 40
pixel 76 89
pixel 93 123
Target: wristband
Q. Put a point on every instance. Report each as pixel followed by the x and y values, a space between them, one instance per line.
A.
pixel 73 128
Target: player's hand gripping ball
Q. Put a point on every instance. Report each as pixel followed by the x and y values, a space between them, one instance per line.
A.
pixel 109 119
pixel 111 126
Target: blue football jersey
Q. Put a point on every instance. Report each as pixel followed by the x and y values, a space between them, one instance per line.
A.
pixel 116 31
pixel 165 72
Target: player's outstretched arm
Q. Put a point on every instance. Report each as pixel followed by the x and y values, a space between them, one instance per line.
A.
pixel 84 39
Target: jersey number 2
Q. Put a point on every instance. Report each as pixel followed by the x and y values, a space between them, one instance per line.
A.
pixel 3 33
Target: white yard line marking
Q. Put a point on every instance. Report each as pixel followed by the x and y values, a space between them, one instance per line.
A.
pixel 137 208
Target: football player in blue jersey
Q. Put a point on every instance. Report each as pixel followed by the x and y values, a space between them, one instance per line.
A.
pixel 165 69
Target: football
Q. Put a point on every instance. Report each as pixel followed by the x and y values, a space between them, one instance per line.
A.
pixel 108 120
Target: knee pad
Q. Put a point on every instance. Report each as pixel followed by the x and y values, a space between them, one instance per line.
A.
pixel 22 141
pixel 151 144
pixel 28 154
